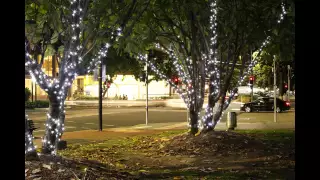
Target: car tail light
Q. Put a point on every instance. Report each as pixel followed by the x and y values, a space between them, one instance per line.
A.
pixel 287 103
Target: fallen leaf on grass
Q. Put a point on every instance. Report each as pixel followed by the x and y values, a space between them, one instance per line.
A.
pixel 142 170
pixel 36 171
pixel 177 177
pixel 46 166
pixel 61 170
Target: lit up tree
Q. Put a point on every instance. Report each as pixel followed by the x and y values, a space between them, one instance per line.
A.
pixel 84 25
pixel 206 55
pixel 30 149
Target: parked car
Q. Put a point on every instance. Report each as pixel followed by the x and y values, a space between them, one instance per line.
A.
pixel 265 104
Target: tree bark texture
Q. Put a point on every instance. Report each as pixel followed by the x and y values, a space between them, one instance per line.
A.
pixel 55 120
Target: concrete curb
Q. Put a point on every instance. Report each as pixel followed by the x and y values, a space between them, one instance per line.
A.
pixel 222 125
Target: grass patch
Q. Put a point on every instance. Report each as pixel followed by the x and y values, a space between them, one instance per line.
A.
pixel 223 175
pixel 217 156
pixel 271 135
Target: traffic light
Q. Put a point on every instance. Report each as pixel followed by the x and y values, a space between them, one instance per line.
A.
pixel 176 81
pixel 143 77
pixel 251 79
pixel 285 89
pixel 108 84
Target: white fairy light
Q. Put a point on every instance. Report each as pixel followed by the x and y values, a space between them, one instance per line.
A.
pixel 28 139
pixel 252 63
pixel 60 87
pixel 210 68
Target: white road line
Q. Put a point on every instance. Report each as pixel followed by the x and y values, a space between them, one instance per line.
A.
pixel 89 123
pixel 244 118
pixel 38 130
pixel 236 103
pixel 70 127
pixel 108 125
pixel 139 127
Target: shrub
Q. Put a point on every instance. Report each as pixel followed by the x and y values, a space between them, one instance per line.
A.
pixel 36 104
pixel 42 104
pixel 27 93
pixel 29 105
pixel 82 97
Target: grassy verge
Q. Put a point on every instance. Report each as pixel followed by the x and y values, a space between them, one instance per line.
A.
pixel 147 156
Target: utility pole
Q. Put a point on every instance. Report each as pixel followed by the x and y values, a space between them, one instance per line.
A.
pixel 274 90
pixel 252 75
pixel 100 96
pixel 288 83
pixel 32 90
pixel 35 91
pixel 146 81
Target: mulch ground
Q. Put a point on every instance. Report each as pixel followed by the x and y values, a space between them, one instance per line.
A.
pixel 217 155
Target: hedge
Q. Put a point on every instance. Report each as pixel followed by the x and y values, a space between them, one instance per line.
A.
pixel 27 93
pixel 36 104
pixel 29 105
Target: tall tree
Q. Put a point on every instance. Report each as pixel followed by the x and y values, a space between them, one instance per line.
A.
pixel 83 29
pixel 203 51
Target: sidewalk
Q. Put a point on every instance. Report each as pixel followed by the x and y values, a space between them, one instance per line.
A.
pixel 220 126
pixel 89 136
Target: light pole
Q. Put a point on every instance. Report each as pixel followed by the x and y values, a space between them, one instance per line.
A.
pixel 252 76
pixel 288 83
pixel 100 96
pixel 274 90
pixel 146 81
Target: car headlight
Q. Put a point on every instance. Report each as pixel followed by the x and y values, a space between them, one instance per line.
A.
pixel 241 105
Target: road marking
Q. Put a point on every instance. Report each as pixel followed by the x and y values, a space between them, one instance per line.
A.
pixel 89 123
pixel 39 131
pixel 247 118
pixel 70 127
pixel 237 103
pixel 235 109
pixel 139 127
pixel 244 118
pixel 108 125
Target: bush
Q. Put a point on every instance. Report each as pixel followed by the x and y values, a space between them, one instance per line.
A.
pixel 42 104
pixel 29 105
pixel 36 104
pixel 83 97
pixel 27 93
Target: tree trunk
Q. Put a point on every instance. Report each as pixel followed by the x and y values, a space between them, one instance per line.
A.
pixel 193 121
pixel 280 82
pixel 209 109
pixel 54 125
pixel 105 92
pixel 30 151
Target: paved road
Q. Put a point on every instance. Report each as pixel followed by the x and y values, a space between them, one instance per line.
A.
pixel 85 119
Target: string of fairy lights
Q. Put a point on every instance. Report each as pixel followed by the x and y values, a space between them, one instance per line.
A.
pixel 184 76
pixel 29 147
pixel 55 125
pixel 68 72
pixel 214 71
pixel 254 61
pixel 159 73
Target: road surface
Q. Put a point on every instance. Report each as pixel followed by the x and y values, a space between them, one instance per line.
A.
pixel 85 119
